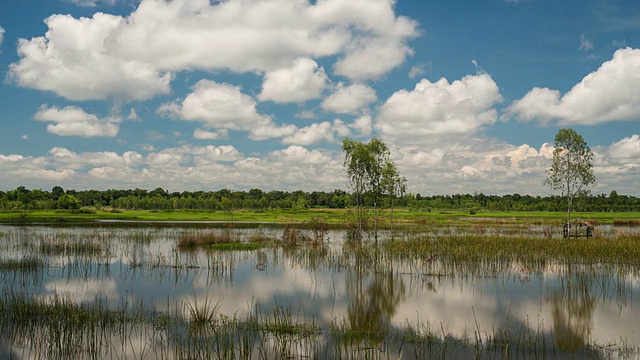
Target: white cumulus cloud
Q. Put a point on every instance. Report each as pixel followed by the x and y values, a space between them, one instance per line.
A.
pixel 73 121
pixel 627 148
pixel 134 57
pixel 610 93
pixel 1 35
pixel 363 125
pixel 318 132
pixel 224 107
pixel 301 82
pixel 349 99
pixel 209 135
pixel 440 108
pixel 73 61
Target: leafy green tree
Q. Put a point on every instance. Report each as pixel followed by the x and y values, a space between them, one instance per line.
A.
pixel 365 164
pixel 572 167
pixel 56 192
pixel 68 202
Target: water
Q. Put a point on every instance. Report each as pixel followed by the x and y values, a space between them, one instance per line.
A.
pixel 575 309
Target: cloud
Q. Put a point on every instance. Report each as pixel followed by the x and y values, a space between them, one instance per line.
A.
pixel 585 44
pixel 627 148
pixel 91 3
pixel 133 115
pixel 463 166
pixel 349 99
pixel 371 56
pixel 73 121
pixel 72 61
pixel 363 125
pixel 224 107
pixel 134 57
pixel 209 135
pixel 301 82
pixel 611 93
pixel 1 35
pixel 76 161
pixel 317 132
pixel 440 108
pixel 419 69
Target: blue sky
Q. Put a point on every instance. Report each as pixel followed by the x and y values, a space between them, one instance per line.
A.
pixel 241 94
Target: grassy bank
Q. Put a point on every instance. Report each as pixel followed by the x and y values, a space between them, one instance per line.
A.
pixel 330 216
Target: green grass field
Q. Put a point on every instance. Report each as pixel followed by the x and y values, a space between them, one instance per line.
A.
pixel 331 216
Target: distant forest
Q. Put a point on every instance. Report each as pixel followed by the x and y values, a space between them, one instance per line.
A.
pixel 257 200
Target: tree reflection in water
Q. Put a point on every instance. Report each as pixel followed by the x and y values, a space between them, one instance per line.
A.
pixel 573 305
pixel 373 300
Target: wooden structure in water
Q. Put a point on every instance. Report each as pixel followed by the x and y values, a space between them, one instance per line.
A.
pixel 578 229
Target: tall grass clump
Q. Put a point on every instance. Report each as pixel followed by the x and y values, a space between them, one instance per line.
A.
pixel 196 239
pixel 28 263
pixel 498 253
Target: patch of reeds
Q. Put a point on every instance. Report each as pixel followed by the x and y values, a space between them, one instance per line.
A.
pixel 28 263
pixel 197 239
pixel 500 252
pixel 72 248
pixel 626 222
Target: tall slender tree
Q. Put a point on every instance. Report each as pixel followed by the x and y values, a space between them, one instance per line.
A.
pixel 572 167
pixel 365 163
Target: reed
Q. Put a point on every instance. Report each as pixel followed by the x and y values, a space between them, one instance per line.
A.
pixel 28 263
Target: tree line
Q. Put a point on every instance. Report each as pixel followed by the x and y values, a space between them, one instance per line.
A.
pixel 22 198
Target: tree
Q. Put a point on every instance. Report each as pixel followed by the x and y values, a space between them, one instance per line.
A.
pixel 365 164
pixel 572 167
pixel 393 185
pixel 68 202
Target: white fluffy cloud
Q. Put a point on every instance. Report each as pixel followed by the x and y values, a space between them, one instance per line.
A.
pixel 477 164
pixel 317 132
pixel 349 99
pixel 440 108
pixel 1 35
pixel 610 93
pixel 134 57
pixel 73 121
pixel 363 125
pixel 224 107
pixel 301 82
pixel 73 61
pixel 627 148
pixel 209 135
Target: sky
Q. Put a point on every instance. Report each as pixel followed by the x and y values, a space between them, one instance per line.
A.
pixel 242 94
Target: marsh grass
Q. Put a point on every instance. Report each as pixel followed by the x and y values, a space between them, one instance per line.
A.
pixel 237 246
pixel 228 239
pixel 198 239
pixel 28 263
pixel 626 222
pixel 58 327
pixel 74 248
pixel 531 251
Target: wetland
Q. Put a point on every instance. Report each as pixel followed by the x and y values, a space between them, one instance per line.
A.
pixel 489 288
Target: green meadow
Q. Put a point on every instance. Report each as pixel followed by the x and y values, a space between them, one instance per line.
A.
pixel 331 216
